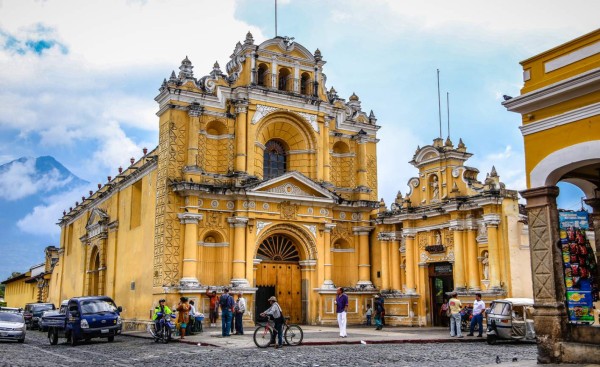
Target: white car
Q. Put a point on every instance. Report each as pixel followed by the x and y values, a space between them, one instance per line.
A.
pixel 12 325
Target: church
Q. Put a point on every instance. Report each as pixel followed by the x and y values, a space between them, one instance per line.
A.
pixel 264 180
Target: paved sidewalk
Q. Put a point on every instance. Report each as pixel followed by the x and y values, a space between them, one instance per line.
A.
pixel 326 335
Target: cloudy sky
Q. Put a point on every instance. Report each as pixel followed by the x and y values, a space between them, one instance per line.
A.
pixel 78 78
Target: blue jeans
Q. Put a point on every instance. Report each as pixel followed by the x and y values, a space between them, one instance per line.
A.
pixel 368 320
pixel 455 320
pixel 239 326
pixel 226 316
pixel 477 319
pixel 279 329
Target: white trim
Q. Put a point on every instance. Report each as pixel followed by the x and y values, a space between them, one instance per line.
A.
pixel 550 169
pixel 552 94
pixel 562 119
pixel 213 244
pixel 572 57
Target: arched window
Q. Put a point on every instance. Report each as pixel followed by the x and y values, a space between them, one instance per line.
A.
pixel 262 74
pixel 274 159
pixel 284 75
pixel 305 84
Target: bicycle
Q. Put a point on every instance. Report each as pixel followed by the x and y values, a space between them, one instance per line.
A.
pixel 265 334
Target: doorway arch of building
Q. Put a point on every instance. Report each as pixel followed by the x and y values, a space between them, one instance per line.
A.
pixel 279 253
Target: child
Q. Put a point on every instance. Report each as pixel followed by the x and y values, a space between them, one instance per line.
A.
pixel 369 313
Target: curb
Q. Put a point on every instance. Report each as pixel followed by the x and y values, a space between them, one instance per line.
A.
pixel 337 342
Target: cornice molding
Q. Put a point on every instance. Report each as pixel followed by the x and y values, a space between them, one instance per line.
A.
pixel 562 119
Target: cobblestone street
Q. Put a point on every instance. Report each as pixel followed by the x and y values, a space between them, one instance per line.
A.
pixel 130 351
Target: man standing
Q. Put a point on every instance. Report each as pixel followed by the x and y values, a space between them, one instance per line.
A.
pixel 455 317
pixel 226 302
pixel 192 318
pixel 478 308
pixel 240 309
pixel 214 307
pixel 341 302
pixel 378 312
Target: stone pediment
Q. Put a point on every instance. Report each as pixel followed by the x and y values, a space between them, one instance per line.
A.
pixel 97 223
pixel 293 185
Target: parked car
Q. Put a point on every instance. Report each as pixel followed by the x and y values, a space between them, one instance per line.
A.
pixel 43 326
pixel 33 312
pixel 85 318
pixel 12 324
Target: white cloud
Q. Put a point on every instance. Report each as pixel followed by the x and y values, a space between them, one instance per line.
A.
pixel 20 180
pixel 43 218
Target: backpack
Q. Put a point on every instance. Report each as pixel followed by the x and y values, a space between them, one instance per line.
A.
pixel 448 311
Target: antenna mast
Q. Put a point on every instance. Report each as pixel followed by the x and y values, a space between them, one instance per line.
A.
pixel 439 102
pixel 275 18
pixel 448 105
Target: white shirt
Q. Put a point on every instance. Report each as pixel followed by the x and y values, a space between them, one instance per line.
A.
pixel 241 304
pixel 192 311
pixel 478 307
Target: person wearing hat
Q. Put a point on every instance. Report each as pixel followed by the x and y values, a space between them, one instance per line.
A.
pixel 161 308
pixel 378 312
pixel 276 312
pixel 183 316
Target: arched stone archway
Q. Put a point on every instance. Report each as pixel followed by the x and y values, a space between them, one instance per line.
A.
pixel 284 258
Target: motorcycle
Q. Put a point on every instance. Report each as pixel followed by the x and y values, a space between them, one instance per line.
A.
pixel 162 329
pixel 466 314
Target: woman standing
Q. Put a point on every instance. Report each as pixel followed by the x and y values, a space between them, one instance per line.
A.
pixel 183 309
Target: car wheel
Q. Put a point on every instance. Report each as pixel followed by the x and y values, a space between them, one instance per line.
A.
pixel 111 339
pixel 22 340
pixel 491 339
pixel 73 340
pixel 53 337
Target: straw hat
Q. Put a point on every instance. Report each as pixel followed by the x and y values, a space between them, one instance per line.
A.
pixel 273 299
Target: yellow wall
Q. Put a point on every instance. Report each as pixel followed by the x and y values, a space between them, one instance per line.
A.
pixel 18 293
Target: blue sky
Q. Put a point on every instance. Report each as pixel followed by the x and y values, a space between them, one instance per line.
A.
pixel 78 78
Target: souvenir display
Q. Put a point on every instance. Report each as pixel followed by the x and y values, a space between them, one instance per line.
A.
pixel 579 266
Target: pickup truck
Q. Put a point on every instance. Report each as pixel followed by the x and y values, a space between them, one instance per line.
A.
pixel 85 318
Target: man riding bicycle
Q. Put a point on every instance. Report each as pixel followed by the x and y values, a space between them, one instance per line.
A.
pixel 161 308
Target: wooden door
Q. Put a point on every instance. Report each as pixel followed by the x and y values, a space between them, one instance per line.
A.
pixel 287 280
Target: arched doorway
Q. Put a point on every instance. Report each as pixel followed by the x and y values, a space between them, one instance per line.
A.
pixel 279 275
pixel 94 274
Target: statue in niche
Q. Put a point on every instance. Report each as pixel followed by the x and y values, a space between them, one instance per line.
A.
pixel 435 188
pixel 438 238
pixel 486 265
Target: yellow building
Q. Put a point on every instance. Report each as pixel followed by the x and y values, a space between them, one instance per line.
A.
pixel 263 180
pixel 455 234
pixel 33 285
pixel 560 108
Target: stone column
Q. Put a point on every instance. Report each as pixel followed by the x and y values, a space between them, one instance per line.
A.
pixel 239 250
pixel 472 265
pixel 550 317
pixel 194 112
pixel 327 282
pixel 325 149
pixel 362 159
pixel 364 263
pixel 385 262
pixel 241 109
pixel 190 249
pixel 491 222
pixel 459 256
pixel 396 284
pixel 409 236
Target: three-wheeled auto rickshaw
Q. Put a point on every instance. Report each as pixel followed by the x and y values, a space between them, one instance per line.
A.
pixel 510 319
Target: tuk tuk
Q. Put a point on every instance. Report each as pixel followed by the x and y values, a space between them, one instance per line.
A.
pixel 510 319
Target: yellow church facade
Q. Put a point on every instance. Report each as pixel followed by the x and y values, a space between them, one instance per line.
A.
pixel 265 181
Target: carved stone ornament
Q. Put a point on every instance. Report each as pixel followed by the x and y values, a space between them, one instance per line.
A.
pixel 262 111
pixel 312 228
pixel 260 226
pixel 288 210
pixel 289 189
